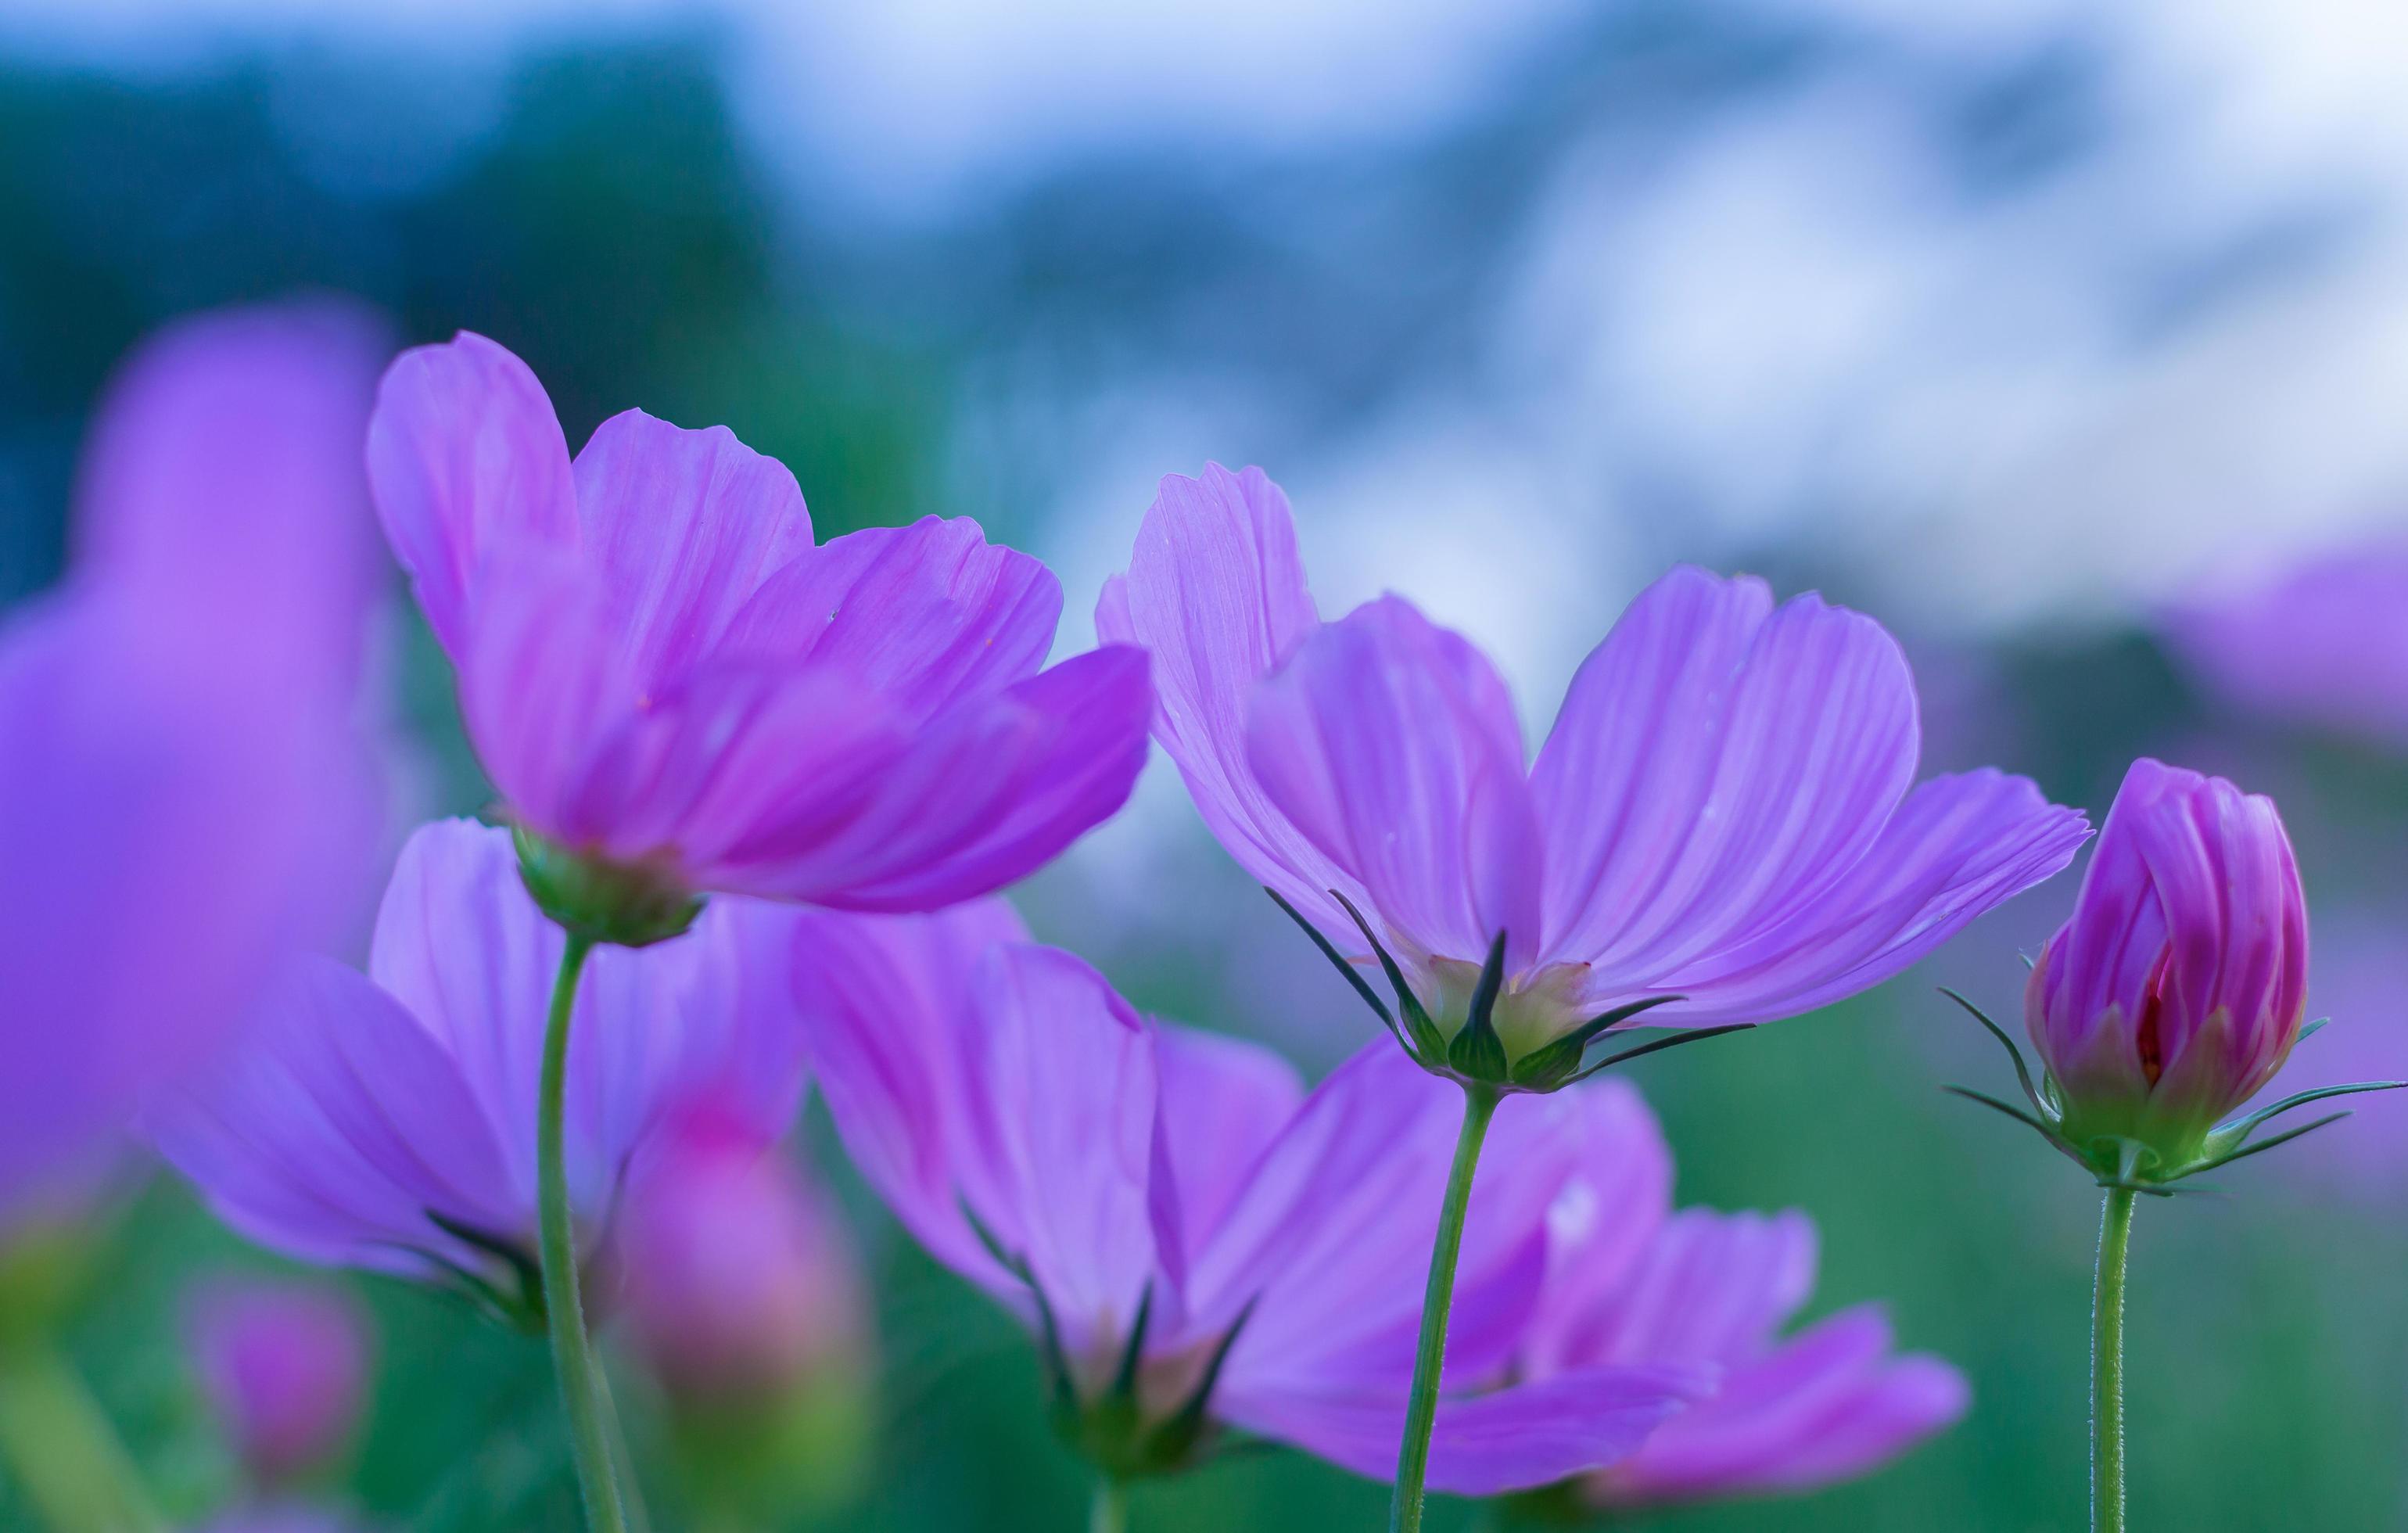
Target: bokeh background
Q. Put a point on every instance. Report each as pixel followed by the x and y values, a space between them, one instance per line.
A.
pixel 2050 333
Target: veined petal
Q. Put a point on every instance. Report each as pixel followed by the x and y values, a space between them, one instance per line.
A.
pixel 1392 744
pixel 1611 1192
pixel 680 529
pixel 338 1128
pixel 1769 773
pixel 1828 1405
pixel 984 795
pixel 1224 1101
pixel 1512 1439
pixel 1957 848
pixel 1712 1288
pixel 1216 592
pixel 890 1029
pixel 465 458
pixel 1059 1126
pixel 928 615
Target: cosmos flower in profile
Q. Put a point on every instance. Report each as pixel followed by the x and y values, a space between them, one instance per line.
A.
pixel 183 795
pixel 1202 1246
pixel 676 692
pixel 1724 826
pixel 386 1120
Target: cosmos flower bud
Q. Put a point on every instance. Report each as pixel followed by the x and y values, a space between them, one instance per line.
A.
pixel 284 1365
pixel 2179 986
pixel 742 1296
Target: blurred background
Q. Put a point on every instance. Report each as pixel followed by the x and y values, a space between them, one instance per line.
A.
pixel 2070 340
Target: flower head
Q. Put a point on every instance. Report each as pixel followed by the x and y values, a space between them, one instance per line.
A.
pixel 1791 1415
pixel 668 681
pixel 182 793
pixel 2179 984
pixel 285 1366
pixel 1200 1242
pixel 1724 822
pixel 386 1121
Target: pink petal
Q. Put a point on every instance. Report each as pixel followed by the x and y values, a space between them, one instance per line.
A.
pixel 1216 592
pixel 1513 1439
pixel 1224 1101
pixel 681 529
pixel 927 616
pixel 1717 770
pixel 465 458
pixel 889 1026
pixel 1392 744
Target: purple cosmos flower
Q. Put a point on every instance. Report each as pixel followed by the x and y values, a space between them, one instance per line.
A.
pixel 285 1366
pixel 1791 1415
pixel 181 792
pixel 2324 643
pixel 2179 984
pixel 1199 1242
pixel 386 1121
pixel 739 1283
pixel 1725 815
pixel 667 681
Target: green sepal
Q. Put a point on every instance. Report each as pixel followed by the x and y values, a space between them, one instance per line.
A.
pixel 1670 1040
pixel 1553 1063
pixel 2023 1071
pixel 1426 1044
pixel 1339 961
pixel 1477 1052
pixel 622 904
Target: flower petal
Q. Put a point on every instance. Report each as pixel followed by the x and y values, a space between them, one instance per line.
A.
pixel 890 1029
pixel 1958 847
pixel 984 795
pixel 681 529
pixel 465 458
pixel 338 1128
pixel 1828 1405
pixel 1059 1120
pixel 1216 592
pixel 927 616
pixel 1714 772
pixel 1392 744
pixel 1224 1101
pixel 1513 1439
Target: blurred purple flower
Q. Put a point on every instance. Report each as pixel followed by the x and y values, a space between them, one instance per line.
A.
pixel 387 1121
pixel 1725 811
pixel 182 793
pixel 739 1279
pixel 663 675
pixel 1198 1239
pixel 2322 643
pixel 285 1365
pixel 283 1517
pixel 1701 1287
pixel 2179 986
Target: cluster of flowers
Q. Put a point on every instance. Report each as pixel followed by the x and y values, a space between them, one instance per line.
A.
pixel 756 796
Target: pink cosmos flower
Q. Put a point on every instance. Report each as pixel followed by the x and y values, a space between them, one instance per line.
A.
pixel 386 1121
pixel 1200 1242
pixel 1725 816
pixel 664 676
pixel 2322 643
pixel 1700 1287
pixel 2179 984
pixel 182 795
pixel 285 1366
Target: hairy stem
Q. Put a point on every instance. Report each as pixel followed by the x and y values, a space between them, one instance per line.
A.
pixel 572 1350
pixel 2107 1364
pixel 1429 1358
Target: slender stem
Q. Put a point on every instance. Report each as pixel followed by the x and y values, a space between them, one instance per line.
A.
pixel 62 1451
pixel 1429 1358
pixel 572 1352
pixel 1108 1512
pixel 2107 1364
pixel 622 1455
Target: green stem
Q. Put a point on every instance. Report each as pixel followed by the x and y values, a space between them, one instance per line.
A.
pixel 1108 1512
pixel 1429 1359
pixel 572 1352
pixel 2107 1364
pixel 62 1451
